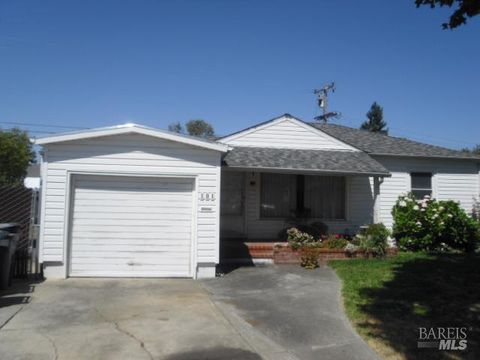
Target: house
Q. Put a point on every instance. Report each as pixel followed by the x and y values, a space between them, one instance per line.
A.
pixel 135 201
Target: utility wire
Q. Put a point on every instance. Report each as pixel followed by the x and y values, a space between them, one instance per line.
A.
pixel 43 125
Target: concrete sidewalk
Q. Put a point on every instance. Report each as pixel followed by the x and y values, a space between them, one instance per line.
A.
pixel 297 308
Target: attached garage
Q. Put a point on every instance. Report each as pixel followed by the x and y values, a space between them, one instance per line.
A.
pixel 129 201
pixel 131 226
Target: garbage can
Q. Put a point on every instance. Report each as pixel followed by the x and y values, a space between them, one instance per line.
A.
pixel 8 244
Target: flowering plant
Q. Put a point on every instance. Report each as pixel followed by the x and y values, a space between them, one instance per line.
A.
pixel 429 224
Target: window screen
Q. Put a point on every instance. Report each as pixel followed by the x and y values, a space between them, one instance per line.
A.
pixel 232 193
pixel 325 196
pixel 421 184
pixel 278 195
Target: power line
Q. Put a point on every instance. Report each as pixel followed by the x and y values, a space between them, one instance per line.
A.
pixel 43 125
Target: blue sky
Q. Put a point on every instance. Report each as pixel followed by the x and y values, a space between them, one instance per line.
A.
pixel 236 63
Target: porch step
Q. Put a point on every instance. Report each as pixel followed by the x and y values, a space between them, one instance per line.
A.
pixel 246 250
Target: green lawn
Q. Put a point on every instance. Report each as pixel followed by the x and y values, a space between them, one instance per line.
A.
pixel 387 300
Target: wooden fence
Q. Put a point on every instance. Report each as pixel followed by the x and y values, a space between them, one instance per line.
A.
pixel 20 205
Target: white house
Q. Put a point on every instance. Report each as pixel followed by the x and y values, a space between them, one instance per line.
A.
pixel 132 201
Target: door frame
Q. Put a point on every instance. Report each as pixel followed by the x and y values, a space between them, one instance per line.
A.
pixel 69 197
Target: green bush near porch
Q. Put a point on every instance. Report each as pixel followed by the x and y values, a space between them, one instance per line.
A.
pixel 433 225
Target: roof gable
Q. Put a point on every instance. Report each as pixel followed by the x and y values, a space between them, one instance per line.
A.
pixel 286 132
pixel 131 129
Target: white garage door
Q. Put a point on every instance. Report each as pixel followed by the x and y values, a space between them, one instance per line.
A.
pixel 131 226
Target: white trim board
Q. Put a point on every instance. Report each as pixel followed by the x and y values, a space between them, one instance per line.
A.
pixel 131 128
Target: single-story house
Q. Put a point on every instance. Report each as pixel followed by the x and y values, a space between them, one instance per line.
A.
pixel 132 201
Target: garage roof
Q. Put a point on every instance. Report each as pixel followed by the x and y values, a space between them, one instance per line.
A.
pixel 131 128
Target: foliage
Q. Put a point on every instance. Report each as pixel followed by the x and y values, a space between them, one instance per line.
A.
pixel 433 225
pixel 309 258
pixel 374 239
pixel 316 229
pixel 200 128
pixel 474 150
pixel 15 156
pixel 375 122
pixel 334 242
pixel 386 298
pixel 176 127
pixel 298 239
pixel 465 9
pixel 351 248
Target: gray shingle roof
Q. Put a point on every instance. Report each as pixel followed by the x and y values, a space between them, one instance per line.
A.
pixel 340 162
pixel 380 144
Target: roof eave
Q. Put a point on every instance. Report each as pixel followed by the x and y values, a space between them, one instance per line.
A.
pixel 309 171
pixel 425 156
pixel 118 130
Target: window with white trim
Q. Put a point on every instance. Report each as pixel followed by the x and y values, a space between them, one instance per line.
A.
pixel 421 184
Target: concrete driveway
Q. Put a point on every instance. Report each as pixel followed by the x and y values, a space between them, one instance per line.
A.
pixel 299 310
pixel 116 319
pixel 281 313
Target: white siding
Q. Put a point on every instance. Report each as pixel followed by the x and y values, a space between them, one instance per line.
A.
pixel 131 154
pixel 287 133
pixel 452 180
pixel 359 209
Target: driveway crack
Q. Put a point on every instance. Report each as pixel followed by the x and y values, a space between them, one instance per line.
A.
pixel 126 332
pixel 11 317
pixel 52 342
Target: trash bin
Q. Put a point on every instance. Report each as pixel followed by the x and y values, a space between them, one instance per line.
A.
pixel 8 244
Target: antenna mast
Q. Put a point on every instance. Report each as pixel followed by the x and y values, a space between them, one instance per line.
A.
pixel 322 100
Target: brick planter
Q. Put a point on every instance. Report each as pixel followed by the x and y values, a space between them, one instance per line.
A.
pixel 283 254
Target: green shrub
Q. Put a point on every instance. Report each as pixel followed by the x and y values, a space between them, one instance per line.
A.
pixel 374 239
pixel 334 242
pixel 298 239
pixel 433 225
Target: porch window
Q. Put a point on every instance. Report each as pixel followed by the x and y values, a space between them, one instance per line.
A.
pixel 322 197
pixel 278 195
pixel 325 196
pixel 421 184
pixel 232 193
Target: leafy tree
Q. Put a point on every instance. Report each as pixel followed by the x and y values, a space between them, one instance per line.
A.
pixel 375 122
pixel 176 127
pixel 465 9
pixel 15 155
pixel 200 128
pixel 475 150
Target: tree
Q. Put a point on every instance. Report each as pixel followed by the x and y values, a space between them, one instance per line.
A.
pixel 375 122
pixel 200 128
pixel 465 9
pixel 176 127
pixel 15 155
pixel 474 150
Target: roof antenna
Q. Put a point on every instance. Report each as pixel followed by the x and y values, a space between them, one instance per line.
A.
pixel 322 100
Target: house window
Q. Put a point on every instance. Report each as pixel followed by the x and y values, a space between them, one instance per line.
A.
pixel 321 197
pixel 232 193
pixel 421 184
pixel 325 196
pixel 278 195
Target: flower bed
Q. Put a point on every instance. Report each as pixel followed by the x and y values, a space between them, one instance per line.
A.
pixel 284 254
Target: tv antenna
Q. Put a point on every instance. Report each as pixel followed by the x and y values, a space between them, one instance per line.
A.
pixel 322 101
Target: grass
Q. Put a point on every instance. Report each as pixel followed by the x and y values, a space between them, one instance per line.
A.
pixel 387 300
